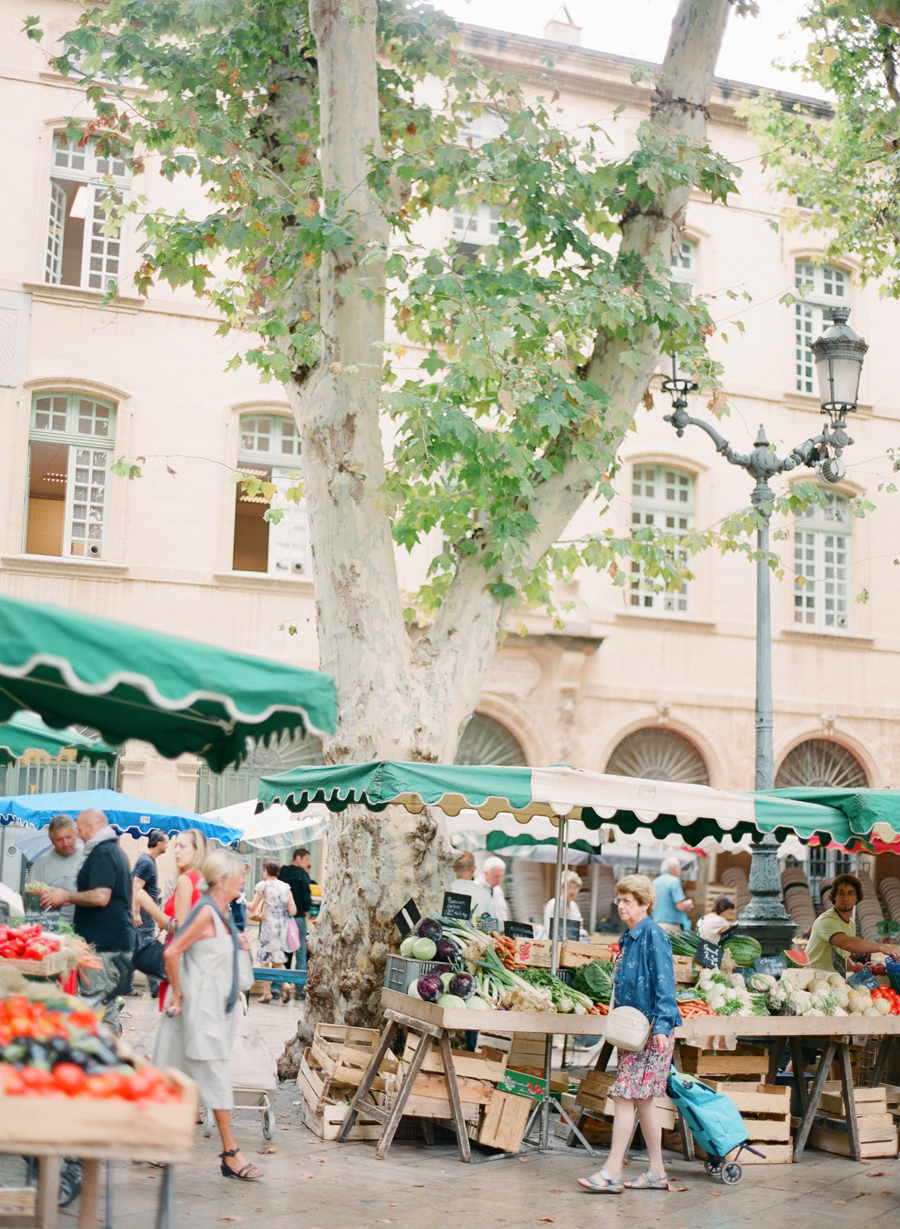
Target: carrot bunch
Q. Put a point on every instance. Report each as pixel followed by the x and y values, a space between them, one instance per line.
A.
pixel 695 1007
pixel 505 948
pixel 599 1009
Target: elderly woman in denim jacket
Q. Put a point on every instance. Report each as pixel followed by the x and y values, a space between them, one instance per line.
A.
pixel 643 979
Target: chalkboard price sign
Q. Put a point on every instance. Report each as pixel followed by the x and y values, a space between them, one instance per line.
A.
pixel 487 924
pixel 863 978
pixel 573 930
pixel 406 919
pixel 518 930
pixel 457 905
pixel 773 965
pixel 709 955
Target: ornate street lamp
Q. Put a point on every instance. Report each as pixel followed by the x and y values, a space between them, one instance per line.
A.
pixel 839 358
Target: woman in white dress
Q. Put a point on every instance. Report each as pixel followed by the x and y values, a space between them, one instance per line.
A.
pixel 197 1030
pixel 280 905
pixel 572 885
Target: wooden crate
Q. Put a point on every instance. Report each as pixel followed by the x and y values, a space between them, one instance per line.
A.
pixel 745 1060
pixel 534 952
pixel 683 968
pixel 344 1053
pixel 81 1121
pixel 318 1087
pixel 838 1142
pixel 484 1064
pixel 527 1051
pixel 50 966
pixel 765 1109
pixel 866 1101
pixel 428 1084
pixel 434 1107
pixel 593 1095
pixel 327 1125
pixel 503 1124
pixel 573 955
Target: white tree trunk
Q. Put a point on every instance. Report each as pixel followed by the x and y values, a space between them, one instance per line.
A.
pixel 399 701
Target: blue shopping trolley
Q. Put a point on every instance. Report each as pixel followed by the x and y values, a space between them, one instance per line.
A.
pixel 715 1123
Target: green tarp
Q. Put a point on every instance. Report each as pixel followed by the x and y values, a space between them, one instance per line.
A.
pixel 179 695
pixel 26 732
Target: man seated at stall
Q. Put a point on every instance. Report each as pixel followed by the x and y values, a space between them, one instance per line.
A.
pixel 833 936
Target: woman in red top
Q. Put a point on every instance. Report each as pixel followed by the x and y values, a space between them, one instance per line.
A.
pixel 189 848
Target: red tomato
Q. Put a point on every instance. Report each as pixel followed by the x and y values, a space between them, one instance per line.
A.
pixel 102 1087
pixel 70 1079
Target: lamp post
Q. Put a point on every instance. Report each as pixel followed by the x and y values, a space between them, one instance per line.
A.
pixel 839 357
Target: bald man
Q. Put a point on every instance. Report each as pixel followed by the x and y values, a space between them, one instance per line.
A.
pixel 102 900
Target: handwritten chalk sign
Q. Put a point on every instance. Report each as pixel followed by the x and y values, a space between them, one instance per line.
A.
pixel 457 905
pixel 863 978
pixel 573 930
pixel 406 919
pixel 518 930
pixel 709 955
pixel 745 972
pixel 487 924
pixel 773 965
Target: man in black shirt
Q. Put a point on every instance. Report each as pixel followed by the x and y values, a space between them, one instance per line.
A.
pixel 102 900
pixel 144 876
pixel 296 876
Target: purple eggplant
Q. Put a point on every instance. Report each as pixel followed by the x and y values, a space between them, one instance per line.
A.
pixel 428 928
pixel 430 987
pixel 462 985
pixel 447 950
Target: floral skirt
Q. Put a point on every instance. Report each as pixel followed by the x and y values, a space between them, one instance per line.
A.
pixel 643 1073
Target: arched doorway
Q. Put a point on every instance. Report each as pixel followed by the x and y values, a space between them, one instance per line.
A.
pixel 486 741
pixel 660 755
pixel 222 789
pixel 823 764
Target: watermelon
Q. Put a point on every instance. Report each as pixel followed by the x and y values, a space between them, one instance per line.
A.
pixel 744 949
pixel 796 959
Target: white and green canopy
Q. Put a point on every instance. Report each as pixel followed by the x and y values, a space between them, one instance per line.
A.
pixel 695 811
pixel 26 732
pixel 179 695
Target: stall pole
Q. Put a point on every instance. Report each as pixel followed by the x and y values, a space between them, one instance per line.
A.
pixel 594 872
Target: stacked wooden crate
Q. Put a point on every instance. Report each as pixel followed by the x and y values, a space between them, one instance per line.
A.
pixel 593 1097
pixel 766 1111
pixel 746 1062
pixel 874 1122
pixel 331 1070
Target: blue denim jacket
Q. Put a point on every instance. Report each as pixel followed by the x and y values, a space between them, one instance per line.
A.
pixel 644 978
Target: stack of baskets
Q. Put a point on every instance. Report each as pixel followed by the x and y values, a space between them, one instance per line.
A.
pixel 868 911
pixel 797 898
pixel 889 891
pixel 736 880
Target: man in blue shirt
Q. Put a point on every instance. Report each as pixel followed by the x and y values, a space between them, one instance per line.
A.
pixel 671 909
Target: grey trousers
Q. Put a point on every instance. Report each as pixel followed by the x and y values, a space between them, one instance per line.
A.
pixel 100 987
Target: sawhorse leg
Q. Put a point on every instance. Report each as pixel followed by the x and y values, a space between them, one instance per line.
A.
pixel 825 1061
pixel 462 1138
pixel 47 1202
pixel 881 1058
pixel 90 1183
pixel 393 1118
pixel 798 1069
pixel 362 1092
pixel 849 1099
pixel 165 1206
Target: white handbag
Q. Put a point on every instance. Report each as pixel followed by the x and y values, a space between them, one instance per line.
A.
pixel 626 1028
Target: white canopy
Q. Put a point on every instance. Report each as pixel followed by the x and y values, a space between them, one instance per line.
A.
pixel 276 827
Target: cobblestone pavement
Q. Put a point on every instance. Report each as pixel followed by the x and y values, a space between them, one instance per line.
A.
pixel 315 1185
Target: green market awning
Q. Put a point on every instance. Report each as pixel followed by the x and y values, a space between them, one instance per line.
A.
pixel 179 695
pixel 665 807
pixel 26 732
pixel 872 814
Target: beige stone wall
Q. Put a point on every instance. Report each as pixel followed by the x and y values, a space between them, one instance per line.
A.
pixel 566 698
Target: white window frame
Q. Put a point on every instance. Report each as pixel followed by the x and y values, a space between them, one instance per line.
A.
pixel 478 226
pixel 684 262
pixel 823 557
pixel 665 502
pixel 819 288
pixel 100 446
pixel 289 547
pixel 101 255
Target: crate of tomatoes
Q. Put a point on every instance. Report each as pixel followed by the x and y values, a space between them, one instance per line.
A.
pixel 65 1080
pixel 32 950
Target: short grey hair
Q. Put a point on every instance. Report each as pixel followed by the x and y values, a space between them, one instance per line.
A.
pixel 670 864
pixel 494 864
pixel 58 822
pixel 222 864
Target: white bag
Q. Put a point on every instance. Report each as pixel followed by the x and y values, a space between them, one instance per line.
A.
pixel 626 1028
pixel 252 1063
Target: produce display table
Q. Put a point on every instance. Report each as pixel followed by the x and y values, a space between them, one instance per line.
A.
pixel 432 1023
pixel 95 1131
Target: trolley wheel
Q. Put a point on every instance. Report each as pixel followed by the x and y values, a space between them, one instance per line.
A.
pixel 713 1167
pixel 269 1126
pixel 732 1173
pixel 207 1122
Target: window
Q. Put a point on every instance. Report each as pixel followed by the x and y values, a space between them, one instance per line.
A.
pixel 477 227
pixel 821 287
pixel 79 253
pixel 823 764
pixel 479 129
pixel 486 741
pixel 662 498
pixel 70 447
pixel 822 565
pixel 269 448
pixel 658 755
pixel 684 262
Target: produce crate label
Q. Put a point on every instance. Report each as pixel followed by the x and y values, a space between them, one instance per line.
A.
pixel 863 978
pixel 406 919
pixel 573 929
pixel 456 905
pixel 487 924
pixel 773 965
pixel 709 955
pixel 518 930
pixel 522 1085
